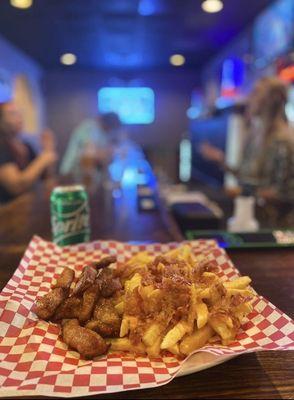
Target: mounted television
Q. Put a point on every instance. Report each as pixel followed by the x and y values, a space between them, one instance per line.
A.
pixel 134 105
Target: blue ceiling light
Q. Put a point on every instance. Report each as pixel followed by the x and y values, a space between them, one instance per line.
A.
pixel 146 7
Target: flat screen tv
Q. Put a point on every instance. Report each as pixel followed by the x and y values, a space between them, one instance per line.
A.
pixel 134 105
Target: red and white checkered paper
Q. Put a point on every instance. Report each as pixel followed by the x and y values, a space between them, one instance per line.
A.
pixel 34 360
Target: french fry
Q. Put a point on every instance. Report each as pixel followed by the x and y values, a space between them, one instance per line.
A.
pixel 134 282
pixel 141 258
pixel 124 327
pixel 227 333
pixel 210 275
pixel 175 349
pixel 242 292
pixel 202 314
pixel 175 334
pixel 239 283
pixel 160 267
pixel 145 291
pixel 124 344
pixel 193 308
pixel 204 293
pixel 197 340
pixel 154 349
pixel 175 253
pixel 152 334
pixel 186 253
pixel 242 310
pixel 128 322
pixel 120 307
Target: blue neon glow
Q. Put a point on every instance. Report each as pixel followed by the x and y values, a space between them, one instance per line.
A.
pixel 129 167
pixel 232 75
pixel 146 7
pixel 5 87
pixel 134 105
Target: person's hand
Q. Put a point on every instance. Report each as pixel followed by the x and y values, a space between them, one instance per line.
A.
pixel 48 140
pixel 49 158
pixel 233 191
pixel 212 153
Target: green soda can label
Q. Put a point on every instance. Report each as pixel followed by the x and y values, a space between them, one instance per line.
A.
pixel 70 219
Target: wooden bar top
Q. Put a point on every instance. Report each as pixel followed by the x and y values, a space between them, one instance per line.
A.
pixel 264 375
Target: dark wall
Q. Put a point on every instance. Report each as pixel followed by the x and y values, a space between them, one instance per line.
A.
pixel 72 96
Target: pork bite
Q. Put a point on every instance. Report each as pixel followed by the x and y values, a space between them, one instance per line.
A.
pixel 86 280
pixel 106 321
pixel 108 282
pixel 90 297
pixel 65 279
pixel 105 262
pixel 48 304
pixel 68 309
pixel 88 343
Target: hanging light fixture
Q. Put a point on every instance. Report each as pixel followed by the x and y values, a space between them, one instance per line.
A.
pixel 68 59
pixel 177 60
pixel 212 6
pixel 23 4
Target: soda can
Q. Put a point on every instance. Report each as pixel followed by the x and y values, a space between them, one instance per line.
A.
pixel 70 219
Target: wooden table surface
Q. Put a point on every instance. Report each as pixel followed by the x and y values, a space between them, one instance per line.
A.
pixel 264 375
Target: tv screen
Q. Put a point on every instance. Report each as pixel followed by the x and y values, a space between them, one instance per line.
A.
pixel 134 105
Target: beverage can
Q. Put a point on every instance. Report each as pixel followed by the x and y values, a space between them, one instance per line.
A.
pixel 70 217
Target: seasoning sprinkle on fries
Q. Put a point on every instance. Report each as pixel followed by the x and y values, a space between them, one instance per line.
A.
pixel 174 302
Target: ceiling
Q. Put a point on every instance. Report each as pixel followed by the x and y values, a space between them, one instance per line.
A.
pixel 112 34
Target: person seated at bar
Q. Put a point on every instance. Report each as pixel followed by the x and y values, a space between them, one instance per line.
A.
pixel 89 150
pixel 267 167
pixel 20 165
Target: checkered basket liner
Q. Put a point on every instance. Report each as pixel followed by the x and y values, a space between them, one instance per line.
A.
pixel 34 360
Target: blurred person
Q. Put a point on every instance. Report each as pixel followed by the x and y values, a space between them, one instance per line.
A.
pixel 90 147
pixel 20 164
pixel 267 167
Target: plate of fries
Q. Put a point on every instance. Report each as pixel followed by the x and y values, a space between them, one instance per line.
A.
pixel 172 303
pixel 104 317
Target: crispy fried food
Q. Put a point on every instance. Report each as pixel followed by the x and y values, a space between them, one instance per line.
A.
pixel 68 309
pixel 47 305
pixel 88 343
pixel 174 302
pixel 107 282
pixel 177 302
pixel 105 262
pixel 86 279
pixel 65 279
pixel 90 297
pixel 124 344
pixel 198 339
pixel 106 320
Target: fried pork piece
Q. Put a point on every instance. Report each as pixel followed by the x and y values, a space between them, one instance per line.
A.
pixel 65 279
pixel 106 320
pixel 88 343
pixel 107 282
pixel 105 262
pixel 47 305
pixel 69 309
pixel 90 297
pixel 86 279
